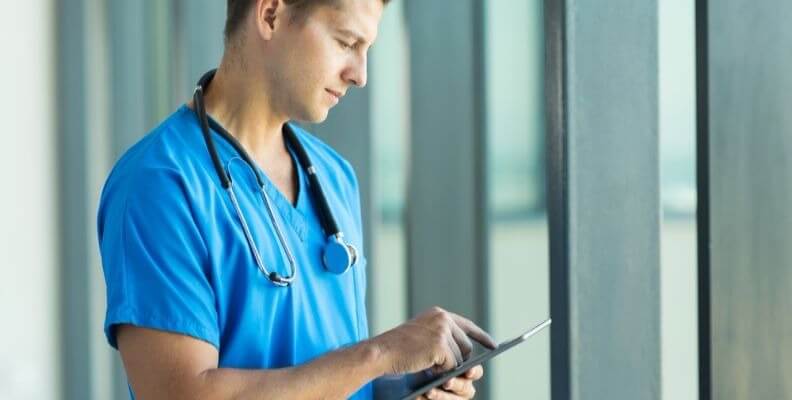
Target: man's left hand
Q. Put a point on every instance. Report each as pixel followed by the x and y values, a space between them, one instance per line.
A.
pixel 459 388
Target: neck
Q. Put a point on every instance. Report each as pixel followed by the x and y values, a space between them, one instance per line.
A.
pixel 242 106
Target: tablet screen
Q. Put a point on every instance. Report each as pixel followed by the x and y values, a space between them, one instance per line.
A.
pixel 423 382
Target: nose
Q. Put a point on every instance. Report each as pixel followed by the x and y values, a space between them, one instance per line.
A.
pixel 356 72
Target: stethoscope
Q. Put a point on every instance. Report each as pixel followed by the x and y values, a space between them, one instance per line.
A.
pixel 338 256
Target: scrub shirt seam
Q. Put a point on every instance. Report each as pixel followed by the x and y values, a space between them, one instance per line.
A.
pixel 128 314
pixel 124 276
pixel 176 170
pixel 137 318
pixel 357 305
pixel 199 330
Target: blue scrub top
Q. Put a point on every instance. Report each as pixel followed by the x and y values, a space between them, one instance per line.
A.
pixel 175 257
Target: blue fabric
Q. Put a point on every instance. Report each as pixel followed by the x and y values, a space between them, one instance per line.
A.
pixel 175 257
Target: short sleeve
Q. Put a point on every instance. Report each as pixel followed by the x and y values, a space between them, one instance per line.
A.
pixel 154 258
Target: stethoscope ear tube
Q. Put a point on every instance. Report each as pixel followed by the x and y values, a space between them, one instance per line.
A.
pixel 329 223
pixel 200 108
pixel 338 255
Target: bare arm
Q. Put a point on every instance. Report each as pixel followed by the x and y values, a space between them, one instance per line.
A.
pixel 163 365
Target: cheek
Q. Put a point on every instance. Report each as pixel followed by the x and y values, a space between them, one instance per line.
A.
pixel 310 65
pixel 323 58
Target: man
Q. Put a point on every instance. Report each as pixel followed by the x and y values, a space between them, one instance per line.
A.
pixel 213 254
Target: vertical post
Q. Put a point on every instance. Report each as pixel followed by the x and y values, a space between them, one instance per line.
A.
pixel 128 64
pixel 446 210
pixel 557 197
pixel 604 191
pixel 750 186
pixel 200 37
pixel 83 158
pixel 703 202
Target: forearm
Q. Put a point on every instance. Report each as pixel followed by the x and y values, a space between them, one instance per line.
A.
pixel 336 375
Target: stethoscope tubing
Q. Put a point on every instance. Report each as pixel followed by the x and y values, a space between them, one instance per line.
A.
pixel 327 219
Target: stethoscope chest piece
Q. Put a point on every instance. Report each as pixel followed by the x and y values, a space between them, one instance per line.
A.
pixel 338 256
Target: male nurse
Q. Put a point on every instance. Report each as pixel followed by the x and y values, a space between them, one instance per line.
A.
pixel 189 306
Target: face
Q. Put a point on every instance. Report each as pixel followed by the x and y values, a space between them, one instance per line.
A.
pixel 312 62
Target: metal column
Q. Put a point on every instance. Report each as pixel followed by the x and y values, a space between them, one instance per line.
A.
pixel 87 362
pixel 749 176
pixel 446 226
pixel 602 93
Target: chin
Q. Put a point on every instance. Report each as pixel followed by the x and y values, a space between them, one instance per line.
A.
pixel 321 117
pixel 314 116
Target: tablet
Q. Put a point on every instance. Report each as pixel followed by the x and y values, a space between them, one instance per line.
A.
pixel 422 386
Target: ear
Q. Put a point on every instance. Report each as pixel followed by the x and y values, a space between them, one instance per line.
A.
pixel 269 16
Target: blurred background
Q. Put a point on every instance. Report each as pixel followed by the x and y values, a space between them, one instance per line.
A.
pixel 517 159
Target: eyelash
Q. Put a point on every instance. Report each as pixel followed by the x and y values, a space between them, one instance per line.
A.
pixel 346 46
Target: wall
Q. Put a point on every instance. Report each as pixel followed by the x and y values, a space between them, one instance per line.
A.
pixel 28 269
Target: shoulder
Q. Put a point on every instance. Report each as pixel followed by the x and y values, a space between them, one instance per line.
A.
pixel 164 164
pixel 173 144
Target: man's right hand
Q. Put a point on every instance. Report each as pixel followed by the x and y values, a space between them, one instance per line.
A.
pixel 435 339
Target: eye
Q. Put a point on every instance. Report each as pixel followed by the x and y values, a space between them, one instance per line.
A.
pixel 344 45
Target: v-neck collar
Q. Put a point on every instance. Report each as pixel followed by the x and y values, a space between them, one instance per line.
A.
pixel 293 214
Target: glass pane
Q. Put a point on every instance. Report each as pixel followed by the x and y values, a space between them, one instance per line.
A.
pixel 389 66
pixel 519 279
pixel 679 318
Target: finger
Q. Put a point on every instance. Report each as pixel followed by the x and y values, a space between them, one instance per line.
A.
pixel 454 346
pixel 439 394
pixel 461 387
pixel 474 331
pixel 446 359
pixel 449 360
pixel 462 340
pixel 454 385
pixel 475 373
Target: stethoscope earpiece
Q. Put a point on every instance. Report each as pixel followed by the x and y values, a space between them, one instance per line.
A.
pixel 338 256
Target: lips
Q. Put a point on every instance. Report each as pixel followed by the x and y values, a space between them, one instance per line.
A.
pixel 337 95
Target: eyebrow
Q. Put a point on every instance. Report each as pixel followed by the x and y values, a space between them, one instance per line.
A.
pixel 357 36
